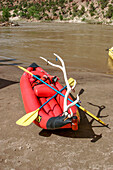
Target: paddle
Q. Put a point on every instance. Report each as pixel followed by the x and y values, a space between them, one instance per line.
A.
pixel 87 112
pixel 30 117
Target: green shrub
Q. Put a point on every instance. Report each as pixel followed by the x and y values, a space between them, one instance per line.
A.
pixel 74 14
pixel 70 13
pixel 104 3
pixel 48 9
pixel 73 4
pixel 39 17
pixel 87 3
pixel 109 13
pixel 45 15
pixel 6 14
pixel 83 19
pixel 103 13
pixel 55 8
pixel 81 11
pixel 22 14
pixel 75 8
pixel 42 3
pixel 25 4
pixel 92 8
pixel 61 1
pixel 20 7
pixel 63 11
pixel 15 7
pixel 54 14
pixel 15 12
pixel 61 17
pixel 31 11
pixel 51 3
pixel 14 15
pixel 92 13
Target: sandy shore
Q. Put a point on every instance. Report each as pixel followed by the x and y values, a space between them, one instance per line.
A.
pixel 31 148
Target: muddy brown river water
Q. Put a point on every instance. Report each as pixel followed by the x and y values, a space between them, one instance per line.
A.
pixel 82 46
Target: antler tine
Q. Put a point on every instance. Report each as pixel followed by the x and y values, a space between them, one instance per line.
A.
pixel 62 62
pixel 68 86
pixel 66 107
pixel 72 104
pixel 64 70
pixel 61 67
pixel 55 65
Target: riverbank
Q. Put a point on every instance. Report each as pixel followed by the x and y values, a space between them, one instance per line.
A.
pixel 26 148
pixel 93 12
pixel 76 20
pixel 15 23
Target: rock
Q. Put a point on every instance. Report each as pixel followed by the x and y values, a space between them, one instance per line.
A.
pixel 16 25
pixel 20 148
pixel 6 161
pixel 6 24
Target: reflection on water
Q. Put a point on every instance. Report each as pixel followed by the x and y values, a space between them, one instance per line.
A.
pixel 82 46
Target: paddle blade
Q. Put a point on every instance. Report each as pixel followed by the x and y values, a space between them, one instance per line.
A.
pixel 28 118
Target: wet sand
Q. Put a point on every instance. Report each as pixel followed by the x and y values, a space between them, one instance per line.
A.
pixel 31 148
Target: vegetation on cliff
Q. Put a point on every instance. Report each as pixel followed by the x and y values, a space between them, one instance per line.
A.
pixel 100 10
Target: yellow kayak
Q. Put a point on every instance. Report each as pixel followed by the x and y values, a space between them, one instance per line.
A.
pixel 111 53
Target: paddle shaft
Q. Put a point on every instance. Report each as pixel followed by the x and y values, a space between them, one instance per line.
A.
pixel 58 92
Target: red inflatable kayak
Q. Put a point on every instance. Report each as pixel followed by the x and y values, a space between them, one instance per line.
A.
pixel 35 94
